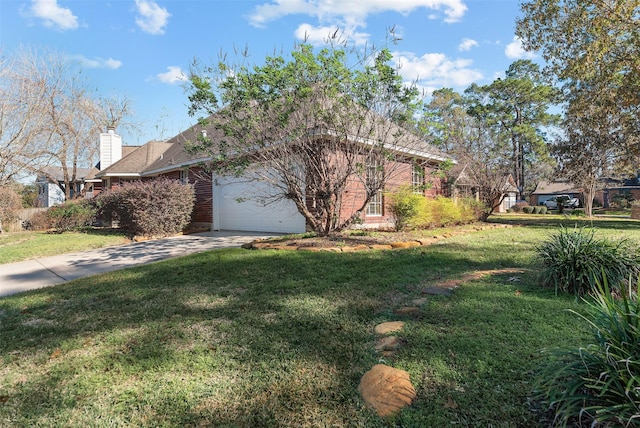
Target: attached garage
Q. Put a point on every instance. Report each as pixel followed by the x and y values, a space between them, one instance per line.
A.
pixel 237 206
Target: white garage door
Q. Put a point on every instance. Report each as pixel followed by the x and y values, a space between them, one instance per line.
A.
pixel 236 206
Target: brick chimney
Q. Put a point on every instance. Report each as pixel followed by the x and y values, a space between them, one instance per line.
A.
pixel 110 147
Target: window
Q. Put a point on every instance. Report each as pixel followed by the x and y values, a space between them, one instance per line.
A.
pixel 184 176
pixel 417 178
pixel 374 207
pixel 374 175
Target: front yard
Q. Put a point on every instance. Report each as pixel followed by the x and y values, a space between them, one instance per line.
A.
pixel 282 338
pixel 18 246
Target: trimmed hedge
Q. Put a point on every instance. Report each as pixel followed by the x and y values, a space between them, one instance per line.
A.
pixel 159 207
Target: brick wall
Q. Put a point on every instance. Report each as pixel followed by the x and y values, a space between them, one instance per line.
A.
pixel 400 174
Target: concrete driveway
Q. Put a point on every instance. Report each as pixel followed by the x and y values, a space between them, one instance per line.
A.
pixel 47 271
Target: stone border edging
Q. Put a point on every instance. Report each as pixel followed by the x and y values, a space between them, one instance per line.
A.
pixel 275 245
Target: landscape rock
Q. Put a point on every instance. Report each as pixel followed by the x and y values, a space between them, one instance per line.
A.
pixel 405 244
pixel 407 310
pixel 389 327
pixel 381 247
pixel 386 389
pixel 388 343
pixel 419 302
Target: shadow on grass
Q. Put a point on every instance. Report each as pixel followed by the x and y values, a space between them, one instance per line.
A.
pixel 291 330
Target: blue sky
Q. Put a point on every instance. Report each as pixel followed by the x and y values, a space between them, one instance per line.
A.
pixel 142 49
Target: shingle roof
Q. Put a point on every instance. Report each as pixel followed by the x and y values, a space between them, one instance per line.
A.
pixel 173 153
pixel 555 187
pixel 137 161
pixel 56 172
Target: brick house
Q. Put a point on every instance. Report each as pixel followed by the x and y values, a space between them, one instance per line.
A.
pixel 222 202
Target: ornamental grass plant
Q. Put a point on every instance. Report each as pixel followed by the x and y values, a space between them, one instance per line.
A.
pixel 599 384
pixel 575 261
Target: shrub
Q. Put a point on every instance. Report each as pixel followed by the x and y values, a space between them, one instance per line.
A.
pixel 578 212
pixel 72 215
pixel 151 208
pixel 574 261
pixel 622 200
pixel 519 207
pixel 472 210
pixel 10 205
pixel 528 209
pixel 543 209
pixel 598 384
pixel 39 221
pixel 444 211
pixel 405 205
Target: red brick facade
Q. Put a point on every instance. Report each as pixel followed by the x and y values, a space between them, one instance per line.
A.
pixel 400 173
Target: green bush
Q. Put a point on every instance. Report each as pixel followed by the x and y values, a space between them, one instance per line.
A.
pixel 578 212
pixel 543 209
pixel 528 209
pixel 472 210
pixel 622 200
pixel 574 261
pixel 412 210
pixel 537 209
pixel 405 205
pixel 72 215
pixel 444 211
pixel 518 207
pixel 598 385
pixel 157 207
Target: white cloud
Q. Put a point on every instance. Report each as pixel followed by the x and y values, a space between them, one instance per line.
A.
pixel 53 15
pixel 153 18
pixel 173 75
pixel 514 50
pixel 435 70
pixel 98 62
pixel 320 35
pixel 353 12
pixel 467 44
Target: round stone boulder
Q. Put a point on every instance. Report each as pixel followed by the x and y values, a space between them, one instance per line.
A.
pixel 386 389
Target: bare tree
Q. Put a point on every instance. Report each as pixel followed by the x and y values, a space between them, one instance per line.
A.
pixel 49 118
pixel 21 119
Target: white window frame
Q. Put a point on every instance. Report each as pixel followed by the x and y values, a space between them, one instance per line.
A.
pixel 374 207
pixel 417 178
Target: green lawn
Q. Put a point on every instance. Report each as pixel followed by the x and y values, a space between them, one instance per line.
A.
pixel 18 246
pixel 281 338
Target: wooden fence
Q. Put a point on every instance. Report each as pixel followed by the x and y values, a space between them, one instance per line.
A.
pixel 24 215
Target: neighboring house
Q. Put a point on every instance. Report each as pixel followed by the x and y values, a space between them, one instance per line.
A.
pixel 222 202
pixel 547 190
pixel 611 188
pixel 463 186
pixel 510 195
pixel 51 182
pixel 111 151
